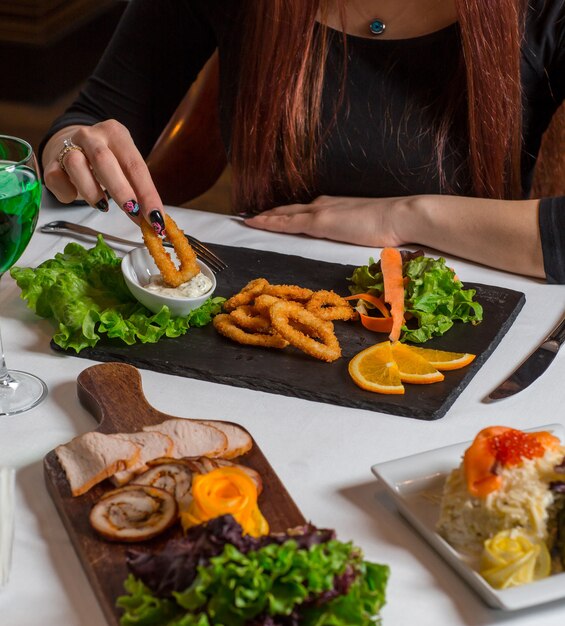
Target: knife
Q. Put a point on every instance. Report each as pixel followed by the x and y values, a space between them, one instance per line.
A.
pixel 533 367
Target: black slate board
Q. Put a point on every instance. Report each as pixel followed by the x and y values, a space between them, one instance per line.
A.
pixel 203 354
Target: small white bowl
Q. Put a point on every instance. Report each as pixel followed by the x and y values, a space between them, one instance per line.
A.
pixel 137 268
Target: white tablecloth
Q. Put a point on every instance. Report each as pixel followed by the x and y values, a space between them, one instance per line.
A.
pixel 322 453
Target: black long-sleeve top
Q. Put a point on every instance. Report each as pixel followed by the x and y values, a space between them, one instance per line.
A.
pixel 382 142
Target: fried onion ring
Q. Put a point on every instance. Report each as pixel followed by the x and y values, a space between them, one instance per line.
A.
pixel 319 341
pixel 188 265
pixel 328 305
pixel 227 326
pixel 247 294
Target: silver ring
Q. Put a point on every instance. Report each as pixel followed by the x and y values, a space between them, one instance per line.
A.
pixel 68 145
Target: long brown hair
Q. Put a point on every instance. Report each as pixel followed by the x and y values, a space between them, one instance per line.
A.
pixel 276 115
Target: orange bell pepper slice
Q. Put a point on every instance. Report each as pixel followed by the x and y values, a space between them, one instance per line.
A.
pixel 225 490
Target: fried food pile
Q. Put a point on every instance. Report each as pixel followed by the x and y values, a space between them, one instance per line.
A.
pixel 275 316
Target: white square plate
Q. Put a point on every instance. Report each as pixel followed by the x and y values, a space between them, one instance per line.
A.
pixel 416 482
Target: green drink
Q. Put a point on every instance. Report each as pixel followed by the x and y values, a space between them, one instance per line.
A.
pixel 20 197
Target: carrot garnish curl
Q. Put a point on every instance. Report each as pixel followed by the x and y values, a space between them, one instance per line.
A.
pixel 393 284
pixel 376 301
pixel 376 324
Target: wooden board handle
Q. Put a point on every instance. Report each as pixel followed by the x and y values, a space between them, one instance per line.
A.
pixel 113 393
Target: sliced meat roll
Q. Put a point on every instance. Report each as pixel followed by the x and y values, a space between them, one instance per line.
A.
pixel 93 457
pixel 192 438
pixel 133 513
pixel 172 475
pixel 152 445
pixel 239 440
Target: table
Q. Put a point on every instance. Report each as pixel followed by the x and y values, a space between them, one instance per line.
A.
pixel 322 453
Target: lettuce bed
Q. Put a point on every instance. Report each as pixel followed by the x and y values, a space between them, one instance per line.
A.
pixel 434 297
pixel 217 576
pixel 84 292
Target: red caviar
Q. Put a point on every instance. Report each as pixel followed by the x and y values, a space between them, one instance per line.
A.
pixel 513 446
pixel 502 446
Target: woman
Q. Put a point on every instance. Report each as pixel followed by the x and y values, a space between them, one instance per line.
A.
pixel 379 123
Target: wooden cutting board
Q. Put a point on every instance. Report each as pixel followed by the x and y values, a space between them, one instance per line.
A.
pixel 204 354
pixel 113 393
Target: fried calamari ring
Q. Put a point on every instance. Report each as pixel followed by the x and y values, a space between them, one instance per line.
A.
pixel 247 294
pixel 248 317
pixel 318 341
pixel 227 326
pixel 264 302
pixel 289 292
pixel 328 305
pixel 172 275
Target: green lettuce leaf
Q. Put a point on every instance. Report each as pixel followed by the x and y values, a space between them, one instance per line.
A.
pixel 359 607
pixel 367 279
pixel 436 299
pixel 275 580
pixel 84 292
pixel 142 608
pixel 433 296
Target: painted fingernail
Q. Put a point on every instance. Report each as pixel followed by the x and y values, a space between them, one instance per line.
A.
pixel 157 221
pixel 131 207
pixel 102 205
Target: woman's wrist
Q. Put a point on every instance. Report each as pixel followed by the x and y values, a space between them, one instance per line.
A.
pixel 408 216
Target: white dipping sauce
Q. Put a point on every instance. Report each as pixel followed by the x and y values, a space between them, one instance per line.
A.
pixel 194 287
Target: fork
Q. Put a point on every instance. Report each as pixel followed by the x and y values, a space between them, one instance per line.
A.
pixel 202 251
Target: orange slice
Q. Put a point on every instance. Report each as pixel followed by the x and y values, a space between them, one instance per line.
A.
pixel 443 360
pixel 414 368
pixel 374 369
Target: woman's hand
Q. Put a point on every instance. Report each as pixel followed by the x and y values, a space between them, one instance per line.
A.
pixel 498 233
pixel 361 221
pixel 103 161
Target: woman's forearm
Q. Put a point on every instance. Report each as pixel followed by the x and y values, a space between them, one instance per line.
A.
pixel 498 233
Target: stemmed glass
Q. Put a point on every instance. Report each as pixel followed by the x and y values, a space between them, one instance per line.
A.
pixel 20 198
